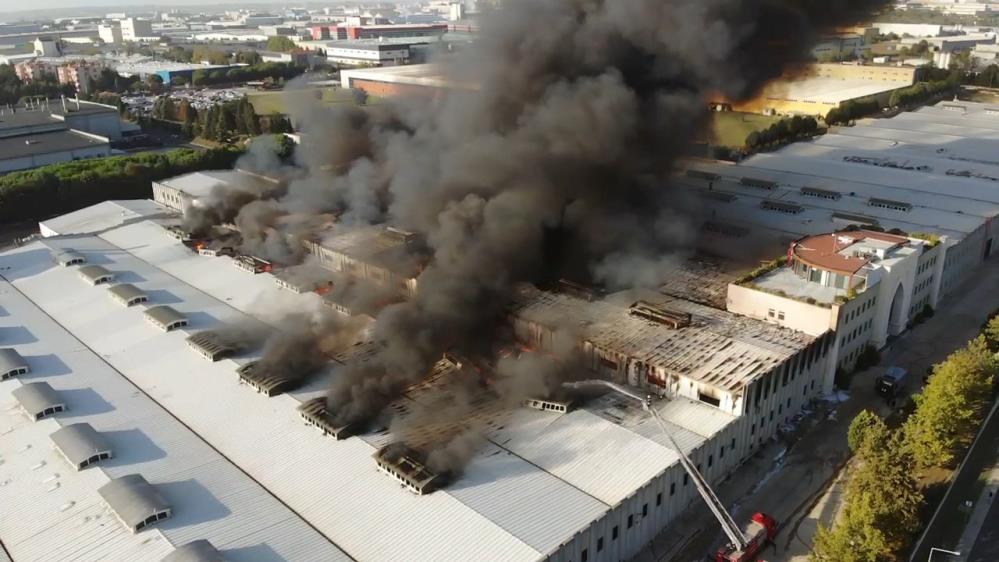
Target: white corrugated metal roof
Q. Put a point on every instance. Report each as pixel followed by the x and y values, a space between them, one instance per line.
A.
pixel 533 486
pixel 59 514
pixel 100 217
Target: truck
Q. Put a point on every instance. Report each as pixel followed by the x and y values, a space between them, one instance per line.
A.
pixel 890 383
pixel 760 531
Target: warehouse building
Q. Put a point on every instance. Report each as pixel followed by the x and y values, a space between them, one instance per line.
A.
pixel 66 475
pixel 822 87
pixel 928 178
pixel 414 79
pixel 593 481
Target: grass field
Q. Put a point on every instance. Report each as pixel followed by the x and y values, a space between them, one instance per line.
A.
pixel 730 128
pixel 265 103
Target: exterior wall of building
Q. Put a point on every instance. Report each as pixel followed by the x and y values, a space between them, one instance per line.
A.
pixel 960 258
pixel 388 89
pixel 855 327
pixel 380 276
pixel 927 282
pixel 132 29
pixel 813 319
pixel 874 73
pixel 369 57
pixel 36 160
pixel 110 33
pixel 106 124
pixel 782 394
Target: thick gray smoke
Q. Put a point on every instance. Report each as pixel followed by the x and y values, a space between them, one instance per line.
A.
pixel 556 163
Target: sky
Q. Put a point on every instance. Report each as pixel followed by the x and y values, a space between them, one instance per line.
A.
pixel 9 9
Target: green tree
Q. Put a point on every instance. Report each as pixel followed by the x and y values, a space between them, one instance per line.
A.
pixel 752 139
pixel 951 405
pixel 861 427
pixel 991 334
pixel 280 43
pixel 854 538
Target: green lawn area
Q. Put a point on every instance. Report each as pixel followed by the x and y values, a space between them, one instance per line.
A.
pixel 265 103
pixel 730 128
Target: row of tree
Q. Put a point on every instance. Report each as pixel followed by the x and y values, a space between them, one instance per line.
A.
pixel 918 93
pixel 788 128
pixel 60 188
pixel 882 501
pixel 273 70
pixel 205 53
pixel 223 122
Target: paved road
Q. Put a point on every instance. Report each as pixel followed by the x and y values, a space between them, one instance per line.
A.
pixel 986 548
pixel 798 489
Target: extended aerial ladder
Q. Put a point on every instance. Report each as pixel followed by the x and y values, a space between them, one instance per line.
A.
pixel 742 547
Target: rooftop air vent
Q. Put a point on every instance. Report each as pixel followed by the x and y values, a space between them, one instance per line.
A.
pixel 165 318
pixel 95 274
pixel 127 294
pixel 12 364
pixel 821 193
pixel 211 345
pixel 758 183
pixel 39 400
pixel 252 264
pixel 81 445
pixel 561 407
pixel 725 229
pixel 889 204
pixel 660 315
pixel 717 196
pixel 854 219
pixel 781 207
pixel 315 412
pixel 67 257
pixel 267 381
pixel 134 501
pixel 406 465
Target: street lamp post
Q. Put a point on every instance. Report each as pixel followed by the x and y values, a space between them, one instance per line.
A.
pixel 935 549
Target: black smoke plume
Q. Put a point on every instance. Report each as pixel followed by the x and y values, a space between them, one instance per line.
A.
pixel 555 162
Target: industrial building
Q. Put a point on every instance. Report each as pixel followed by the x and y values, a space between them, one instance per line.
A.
pixel 371 52
pixel 53 131
pixel 593 480
pixel 921 187
pixel 414 79
pixel 821 87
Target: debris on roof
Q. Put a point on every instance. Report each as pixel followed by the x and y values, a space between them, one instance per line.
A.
pixel 406 465
pixel 316 413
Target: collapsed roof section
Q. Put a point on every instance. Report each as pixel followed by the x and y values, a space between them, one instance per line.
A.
pixel 407 465
pixel 135 502
pixel 316 413
pixel 268 380
pixel 714 347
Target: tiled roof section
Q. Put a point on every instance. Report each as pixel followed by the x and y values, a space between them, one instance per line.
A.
pixel 825 250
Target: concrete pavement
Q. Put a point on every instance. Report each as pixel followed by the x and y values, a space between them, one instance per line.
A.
pixel 796 481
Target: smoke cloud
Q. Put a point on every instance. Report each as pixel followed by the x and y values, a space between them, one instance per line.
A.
pixel 555 164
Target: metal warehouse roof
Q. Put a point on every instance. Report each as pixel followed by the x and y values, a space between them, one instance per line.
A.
pixel 940 163
pixel 132 498
pixel 59 510
pixel 196 551
pixel 11 360
pixel 36 397
pixel 80 441
pixel 102 216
